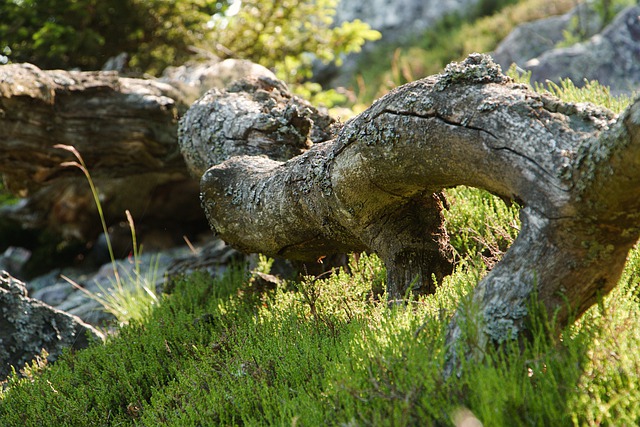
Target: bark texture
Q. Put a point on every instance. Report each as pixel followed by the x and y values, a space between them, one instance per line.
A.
pixel 253 116
pixel 288 209
pixel 126 130
pixel 375 187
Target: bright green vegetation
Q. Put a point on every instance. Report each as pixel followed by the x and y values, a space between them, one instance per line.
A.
pixel 330 352
pixel 85 33
pixel 590 91
pixel 287 36
pixel 456 36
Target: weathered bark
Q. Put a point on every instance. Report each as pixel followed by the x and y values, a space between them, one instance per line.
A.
pixel 126 130
pixel 574 167
pixel 293 216
pixel 254 116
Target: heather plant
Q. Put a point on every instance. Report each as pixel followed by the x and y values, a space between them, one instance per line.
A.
pixel 328 351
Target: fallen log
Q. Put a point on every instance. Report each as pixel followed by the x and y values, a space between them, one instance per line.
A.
pixel 375 186
pixel 124 128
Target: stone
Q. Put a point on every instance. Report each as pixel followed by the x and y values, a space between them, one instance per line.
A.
pixel 213 257
pixel 27 326
pixel 13 259
pixel 197 77
pixel 611 57
pixel 159 269
pixel 532 39
pixel 54 295
pixel 399 19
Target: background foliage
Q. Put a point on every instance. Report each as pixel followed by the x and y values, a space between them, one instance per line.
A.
pixel 85 33
pixel 289 35
pixel 284 35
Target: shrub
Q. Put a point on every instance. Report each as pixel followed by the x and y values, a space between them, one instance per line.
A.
pixel 85 33
pixel 285 35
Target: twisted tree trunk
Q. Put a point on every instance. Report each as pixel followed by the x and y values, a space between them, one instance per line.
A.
pixel 375 187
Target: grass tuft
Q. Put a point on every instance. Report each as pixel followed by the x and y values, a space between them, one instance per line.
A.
pixel 130 297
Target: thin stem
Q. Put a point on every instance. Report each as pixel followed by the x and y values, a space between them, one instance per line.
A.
pixel 82 166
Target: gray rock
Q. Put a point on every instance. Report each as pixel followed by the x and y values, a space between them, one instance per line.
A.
pixel 397 21
pixel 55 294
pixel 27 326
pixel 117 63
pixel 92 312
pixel 194 79
pixel 38 283
pixel 401 18
pixel 76 299
pixel 532 39
pixel 13 259
pixel 611 57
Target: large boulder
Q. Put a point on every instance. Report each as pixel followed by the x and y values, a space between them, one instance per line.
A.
pixel 27 326
pixel 397 21
pixel 611 57
pixel 400 19
pixel 532 39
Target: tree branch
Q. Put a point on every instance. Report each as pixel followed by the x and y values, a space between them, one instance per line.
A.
pixel 375 187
